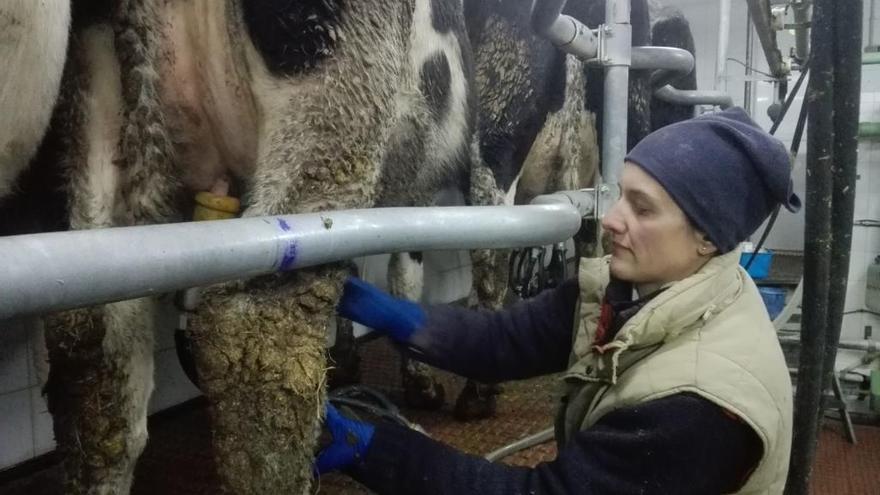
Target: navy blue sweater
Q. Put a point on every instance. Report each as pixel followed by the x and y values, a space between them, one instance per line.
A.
pixel 679 444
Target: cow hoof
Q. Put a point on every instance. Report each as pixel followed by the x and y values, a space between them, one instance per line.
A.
pixel 476 401
pixel 424 392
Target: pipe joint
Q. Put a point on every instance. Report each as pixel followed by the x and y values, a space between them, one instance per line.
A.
pixel 565 32
pixel 585 200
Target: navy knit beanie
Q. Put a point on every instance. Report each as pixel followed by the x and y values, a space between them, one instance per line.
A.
pixel 724 171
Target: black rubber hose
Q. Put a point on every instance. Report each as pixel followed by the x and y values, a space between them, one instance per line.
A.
pixel 794 149
pixel 847 95
pixel 817 247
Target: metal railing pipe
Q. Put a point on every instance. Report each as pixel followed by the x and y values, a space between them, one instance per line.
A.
pixel 671 63
pixel 566 32
pixel 64 270
pixel 693 97
pixel 723 43
pixel 617 59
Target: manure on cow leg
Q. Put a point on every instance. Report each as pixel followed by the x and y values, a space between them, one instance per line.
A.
pixel 262 362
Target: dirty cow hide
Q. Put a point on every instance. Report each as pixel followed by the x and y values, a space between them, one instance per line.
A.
pixel 292 106
pixel 33 45
pixel 541 112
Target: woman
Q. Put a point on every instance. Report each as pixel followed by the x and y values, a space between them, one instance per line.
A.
pixel 674 380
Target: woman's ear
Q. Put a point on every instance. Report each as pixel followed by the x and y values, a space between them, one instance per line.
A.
pixel 705 247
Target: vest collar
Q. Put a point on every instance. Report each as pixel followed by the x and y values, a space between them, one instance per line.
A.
pixel 681 307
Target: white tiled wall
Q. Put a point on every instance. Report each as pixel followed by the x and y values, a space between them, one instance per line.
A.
pixel 25 425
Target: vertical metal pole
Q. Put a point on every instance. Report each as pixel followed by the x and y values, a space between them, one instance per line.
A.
pixel 847 94
pixel 802 34
pixel 871 23
pixel 817 247
pixel 750 52
pixel 723 43
pixel 615 107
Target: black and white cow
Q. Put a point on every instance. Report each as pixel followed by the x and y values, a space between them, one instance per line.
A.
pixel 292 106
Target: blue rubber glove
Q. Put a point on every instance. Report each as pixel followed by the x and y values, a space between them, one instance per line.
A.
pixel 370 306
pixel 351 439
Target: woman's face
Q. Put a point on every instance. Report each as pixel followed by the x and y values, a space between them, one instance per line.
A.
pixel 654 243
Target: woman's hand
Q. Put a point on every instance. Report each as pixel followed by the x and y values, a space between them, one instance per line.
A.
pixel 351 438
pixel 370 306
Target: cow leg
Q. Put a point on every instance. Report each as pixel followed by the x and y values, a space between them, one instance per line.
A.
pixel 489 289
pixel 261 358
pixel 100 381
pixel 420 386
pixel 101 358
pixel 260 346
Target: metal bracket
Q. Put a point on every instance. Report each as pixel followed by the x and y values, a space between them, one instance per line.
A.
pixel 615 45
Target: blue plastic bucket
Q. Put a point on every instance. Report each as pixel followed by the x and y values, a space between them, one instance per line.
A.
pixel 774 300
pixel 760 267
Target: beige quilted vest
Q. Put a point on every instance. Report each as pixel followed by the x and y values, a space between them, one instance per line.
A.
pixel 708 334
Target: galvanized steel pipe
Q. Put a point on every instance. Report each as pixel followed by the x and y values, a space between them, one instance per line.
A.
pixel 64 270
pixel 693 97
pixel 566 32
pixel 723 43
pixel 671 63
pixel 617 34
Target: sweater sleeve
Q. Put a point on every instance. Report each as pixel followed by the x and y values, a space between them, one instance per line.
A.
pixel 527 339
pixel 681 444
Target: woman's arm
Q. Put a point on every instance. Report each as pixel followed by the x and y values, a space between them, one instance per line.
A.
pixel 681 444
pixel 529 338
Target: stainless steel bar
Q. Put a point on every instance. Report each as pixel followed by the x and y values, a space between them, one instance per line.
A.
pixel 63 270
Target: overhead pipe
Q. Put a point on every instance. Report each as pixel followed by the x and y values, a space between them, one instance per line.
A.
pixel 759 10
pixel 566 32
pixel 64 270
pixel 817 247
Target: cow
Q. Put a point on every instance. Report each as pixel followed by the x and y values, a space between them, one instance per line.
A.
pixel 293 107
pixel 33 48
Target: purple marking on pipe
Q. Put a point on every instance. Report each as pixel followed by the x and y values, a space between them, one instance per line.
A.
pixel 289 256
pixel 290 252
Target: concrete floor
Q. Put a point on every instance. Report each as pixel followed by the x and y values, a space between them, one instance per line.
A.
pixel 178 461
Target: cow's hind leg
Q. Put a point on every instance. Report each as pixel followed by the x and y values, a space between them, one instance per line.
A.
pixel 489 290
pixel 260 352
pixel 260 347
pixel 102 358
pixel 420 386
pixel 100 381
